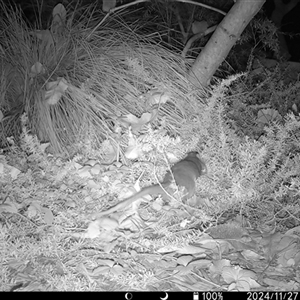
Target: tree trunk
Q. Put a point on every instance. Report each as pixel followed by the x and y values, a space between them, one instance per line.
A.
pixel 225 36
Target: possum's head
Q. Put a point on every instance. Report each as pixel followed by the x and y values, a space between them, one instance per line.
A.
pixel 201 166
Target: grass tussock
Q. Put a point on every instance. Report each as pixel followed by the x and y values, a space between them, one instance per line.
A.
pixel 106 71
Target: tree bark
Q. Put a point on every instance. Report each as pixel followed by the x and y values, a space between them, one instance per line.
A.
pixel 225 36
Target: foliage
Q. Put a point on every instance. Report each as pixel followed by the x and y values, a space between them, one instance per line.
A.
pixel 246 170
pixel 258 40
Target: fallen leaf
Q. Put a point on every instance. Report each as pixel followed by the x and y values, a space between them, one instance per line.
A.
pixel 137 123
pixel 265 116
pixel 70 203
pixel 36 69
pixel 55 90
pixel 159 98
pixel 218 265
pixel 106 262
pixel 239 279
pixel 184 259
pixel 84 172
pixel 58 18
pixel 48 216
pixel 93 230
pixel 8 207
pixel 32 210
pixel 117 270
pixel 108 223
pixel 14 172
pixel 294 232
pixel 96 169
pixel 184 270
pixel 100 270
pixel 199 26
pixel 110 246
pixel 201 263
pixel 107 5
pixel 251 255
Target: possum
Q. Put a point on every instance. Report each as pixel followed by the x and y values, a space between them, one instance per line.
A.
pixel 185 172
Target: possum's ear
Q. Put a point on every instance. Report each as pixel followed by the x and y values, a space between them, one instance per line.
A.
pixel 192 154
pixel 203 167
pixel 200 164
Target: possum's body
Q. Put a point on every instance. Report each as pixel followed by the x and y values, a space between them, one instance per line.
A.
pixel 185 172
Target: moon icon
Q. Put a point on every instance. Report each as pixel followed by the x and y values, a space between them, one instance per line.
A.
pixel 166 297
pixel 128 296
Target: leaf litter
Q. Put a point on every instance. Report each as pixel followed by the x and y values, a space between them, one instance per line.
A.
pixel 212 256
